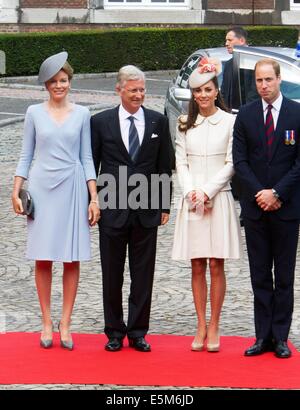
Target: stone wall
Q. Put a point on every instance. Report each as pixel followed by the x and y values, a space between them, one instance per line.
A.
pixel 61 15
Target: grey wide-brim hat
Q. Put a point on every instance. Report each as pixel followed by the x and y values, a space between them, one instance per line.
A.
pixel 51 66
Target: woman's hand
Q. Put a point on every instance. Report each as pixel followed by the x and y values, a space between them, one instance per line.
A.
pixel 94 213
pixel 94 209
pixel 191 198
pixel 15 199
pixel 197 198
pixel 17 204
pixel 197 201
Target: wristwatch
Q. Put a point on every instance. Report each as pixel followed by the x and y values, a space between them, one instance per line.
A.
pixel 275 193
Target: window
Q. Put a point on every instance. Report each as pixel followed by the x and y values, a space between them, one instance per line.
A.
pixel 290 76
pixel 146 3
pixel 182 79
pixel 186 70
pixel 295 4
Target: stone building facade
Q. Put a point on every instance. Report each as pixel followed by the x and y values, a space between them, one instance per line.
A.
pixel 45 15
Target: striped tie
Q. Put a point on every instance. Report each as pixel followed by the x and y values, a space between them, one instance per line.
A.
pixel 134 142
pixel 269 129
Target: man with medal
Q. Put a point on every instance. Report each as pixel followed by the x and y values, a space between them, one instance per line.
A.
pixel 266 155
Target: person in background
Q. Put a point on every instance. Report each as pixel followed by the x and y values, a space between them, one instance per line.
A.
pixel 235 36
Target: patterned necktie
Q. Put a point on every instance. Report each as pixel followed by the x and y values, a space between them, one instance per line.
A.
pixel 134 142
pixel 269 129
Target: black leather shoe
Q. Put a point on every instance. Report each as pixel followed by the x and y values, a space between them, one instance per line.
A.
pixel 140 344
pixel 282 350
pixel 260 346
pixel 114 344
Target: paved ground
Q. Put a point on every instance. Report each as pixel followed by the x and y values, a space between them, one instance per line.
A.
pixel 172 307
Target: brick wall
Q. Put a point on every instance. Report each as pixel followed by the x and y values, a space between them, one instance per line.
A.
pixel 241 4
pixel 72 4
pixel 9 28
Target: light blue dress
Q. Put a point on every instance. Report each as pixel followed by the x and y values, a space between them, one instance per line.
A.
pixel 57 183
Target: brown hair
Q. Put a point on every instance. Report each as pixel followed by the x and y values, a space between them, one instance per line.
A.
pixel 193 110
pixel 68 70
pixel 239 32
pixel 271 62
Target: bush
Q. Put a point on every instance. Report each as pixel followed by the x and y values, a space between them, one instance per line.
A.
pixel 94 51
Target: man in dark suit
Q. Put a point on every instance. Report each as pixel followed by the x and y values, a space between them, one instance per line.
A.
pixel 134 148
pixel 266 155
pixel 235 36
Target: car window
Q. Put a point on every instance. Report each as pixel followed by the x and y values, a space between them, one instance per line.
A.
pixel 290 90
pixel 247 86
pixel 220 76
pixel 186 70
pixel 290 75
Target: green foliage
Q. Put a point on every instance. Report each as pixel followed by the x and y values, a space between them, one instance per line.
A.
pixel 94 51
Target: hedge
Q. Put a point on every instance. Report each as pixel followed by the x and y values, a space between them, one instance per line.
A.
pixel 94 51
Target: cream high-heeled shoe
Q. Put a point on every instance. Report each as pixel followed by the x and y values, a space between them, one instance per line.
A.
pixel 198 346
pixel 213 347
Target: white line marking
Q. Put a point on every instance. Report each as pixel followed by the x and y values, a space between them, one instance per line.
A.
pixel 10 113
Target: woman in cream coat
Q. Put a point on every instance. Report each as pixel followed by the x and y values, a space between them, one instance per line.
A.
pixel 207 225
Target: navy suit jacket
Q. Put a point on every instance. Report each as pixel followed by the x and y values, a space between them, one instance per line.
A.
pixel 256 171
pixel 229 90
pixel 156 156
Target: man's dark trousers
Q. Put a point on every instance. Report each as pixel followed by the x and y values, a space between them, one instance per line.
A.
pixel 141 244
pixel 272 242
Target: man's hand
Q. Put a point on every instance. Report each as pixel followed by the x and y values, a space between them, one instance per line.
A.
pixel 267 201
pixel 164 218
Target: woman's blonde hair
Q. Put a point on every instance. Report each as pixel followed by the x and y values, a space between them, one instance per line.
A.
pixel 68 70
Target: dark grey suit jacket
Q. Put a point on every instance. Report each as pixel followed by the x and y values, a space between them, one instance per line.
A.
pixel 156 157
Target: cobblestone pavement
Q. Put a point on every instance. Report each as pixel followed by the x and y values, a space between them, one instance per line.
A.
pixel 172 306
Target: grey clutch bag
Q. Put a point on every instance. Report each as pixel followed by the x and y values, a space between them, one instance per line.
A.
pixel 27 203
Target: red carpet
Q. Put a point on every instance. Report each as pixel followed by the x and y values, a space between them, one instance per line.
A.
pixel 171 363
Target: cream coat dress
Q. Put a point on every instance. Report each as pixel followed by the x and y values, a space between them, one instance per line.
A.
pixel 204 161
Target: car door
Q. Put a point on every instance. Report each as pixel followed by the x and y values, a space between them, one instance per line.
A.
pixel 244 62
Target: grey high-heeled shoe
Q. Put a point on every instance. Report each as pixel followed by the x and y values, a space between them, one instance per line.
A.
pixel 65 344
pixel 46 343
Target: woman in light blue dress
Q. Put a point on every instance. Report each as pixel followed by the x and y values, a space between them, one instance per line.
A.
pixel 57 135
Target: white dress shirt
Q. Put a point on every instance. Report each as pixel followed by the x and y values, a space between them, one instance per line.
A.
pixel 139 122
pixel 275 110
